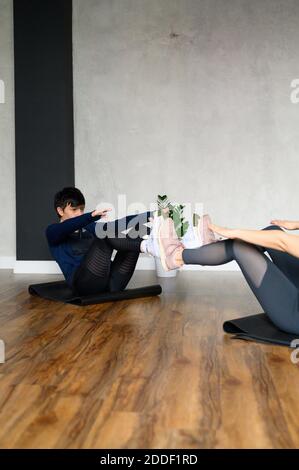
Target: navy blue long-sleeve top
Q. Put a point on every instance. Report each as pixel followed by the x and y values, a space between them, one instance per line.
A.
pixel 70 240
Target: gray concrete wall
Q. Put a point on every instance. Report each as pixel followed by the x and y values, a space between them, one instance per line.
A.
pixel 7 157
pixel 189 98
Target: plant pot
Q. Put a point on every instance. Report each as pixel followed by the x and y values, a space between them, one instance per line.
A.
pixel 161 272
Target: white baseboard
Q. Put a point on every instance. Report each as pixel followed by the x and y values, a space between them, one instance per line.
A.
pixel 144 264
pixel 232 266
pixel 38 267
pixel 148 263
pixel 7 262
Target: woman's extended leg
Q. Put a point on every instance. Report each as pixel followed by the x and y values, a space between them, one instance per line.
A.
pixel 287 263
pixel 277 295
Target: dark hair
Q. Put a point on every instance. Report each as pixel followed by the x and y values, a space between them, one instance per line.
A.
pixel 69 195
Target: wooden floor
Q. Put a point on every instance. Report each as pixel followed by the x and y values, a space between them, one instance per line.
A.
pixel 152 373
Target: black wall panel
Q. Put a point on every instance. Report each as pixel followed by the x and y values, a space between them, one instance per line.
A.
pixel 43 117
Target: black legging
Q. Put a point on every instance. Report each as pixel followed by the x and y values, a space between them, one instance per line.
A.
pixel 274 284
pixel 97 272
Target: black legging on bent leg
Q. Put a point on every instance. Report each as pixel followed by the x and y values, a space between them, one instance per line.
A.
pixel 97 273
pixel 274 283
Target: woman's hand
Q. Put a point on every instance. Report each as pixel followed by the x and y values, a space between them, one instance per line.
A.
pixel 223 231
pixel 288 224
pixel 102 212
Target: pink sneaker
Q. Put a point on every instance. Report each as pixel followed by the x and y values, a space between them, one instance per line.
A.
pixel 169 244
pixel 207 235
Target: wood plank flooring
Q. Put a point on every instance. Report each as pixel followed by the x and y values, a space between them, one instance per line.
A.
pixel 147 373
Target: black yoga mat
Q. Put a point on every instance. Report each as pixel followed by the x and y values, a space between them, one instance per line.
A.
pixel 258 328
pixel 60 291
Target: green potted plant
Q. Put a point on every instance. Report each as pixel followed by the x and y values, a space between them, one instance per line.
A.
pixel 175 212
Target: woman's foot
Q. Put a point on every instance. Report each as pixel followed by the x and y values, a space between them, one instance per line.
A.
pixel 170 246
pixel 207 235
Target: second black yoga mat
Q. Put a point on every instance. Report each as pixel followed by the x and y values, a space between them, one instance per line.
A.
pixel 259 328
pixel 60 291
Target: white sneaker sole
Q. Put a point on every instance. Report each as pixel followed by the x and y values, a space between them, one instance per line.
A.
pixel 162 251
pixel 155 236
pixel 200 231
